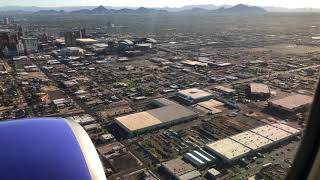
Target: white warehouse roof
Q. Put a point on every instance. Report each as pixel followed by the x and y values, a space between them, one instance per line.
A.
pixel 237 146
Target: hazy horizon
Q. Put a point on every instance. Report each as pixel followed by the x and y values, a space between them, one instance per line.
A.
pixel 159 3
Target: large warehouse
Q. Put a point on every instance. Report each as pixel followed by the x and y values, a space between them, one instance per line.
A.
pixel 291 103
pixel 240 145
pixel 167 113
pixel 193 95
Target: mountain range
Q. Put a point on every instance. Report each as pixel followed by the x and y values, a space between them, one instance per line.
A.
pixel 189 8
pixel 103 10
pixel 240 8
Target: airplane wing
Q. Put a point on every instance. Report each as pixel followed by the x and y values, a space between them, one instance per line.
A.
pixel 47 149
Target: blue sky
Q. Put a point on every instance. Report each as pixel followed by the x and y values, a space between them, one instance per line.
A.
pixel 160 3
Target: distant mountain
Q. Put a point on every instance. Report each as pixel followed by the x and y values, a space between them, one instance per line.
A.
pixel 103 10
pixel 49 12
pixel 281 9
pixel 195 10
pixel 149 10
pixel 99 10
pixel 82 11
pixel 237 9
pixel 194 7
pixel 241 8
pixel 206 6
pixel 126 11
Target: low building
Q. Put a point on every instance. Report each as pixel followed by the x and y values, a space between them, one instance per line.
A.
pixel 251 140
pixel 106 137
pixel 228 149
pixel 223 64
pixel 190 175
pixel 181 170
pixel 143 46
pixel 71 51
pixel 224 90
pixel 126 44
pixel 193 95
pixel 210 106
pixel 199 158
pixel 99 47
pixel 235 147
pixel 259 91
pixel 213 173
pixel 291 103
pixel 156 118
pixel 92 127
pixel 82 119
pixel 194 63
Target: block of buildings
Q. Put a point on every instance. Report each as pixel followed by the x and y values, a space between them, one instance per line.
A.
pixel 166 115
pixel 237 146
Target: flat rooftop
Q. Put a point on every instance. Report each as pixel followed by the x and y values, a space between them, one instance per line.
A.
pixel 211 110
pixel 292 102
pixel 225 89
pixel 271 132
pixel 162 102
pixel 286 128
pixel 138 121
pixel 258 88
pixel 190 175
pixel 228 148
pixel 178 167
pixel 236 146
pixel 251 140
pixel 169 112
pixel 194 93
pixel 210 104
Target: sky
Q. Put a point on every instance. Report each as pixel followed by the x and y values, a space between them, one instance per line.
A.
pixel 161 3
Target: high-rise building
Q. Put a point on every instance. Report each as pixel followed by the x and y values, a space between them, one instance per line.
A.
pixel 6 21
pixel 4 39
pixel 83 33
pixel 30 45
pixel 80 33
pixel 70 39
pixel 20 48
pixel 8 43
pixel 20 32
pixel 44 38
